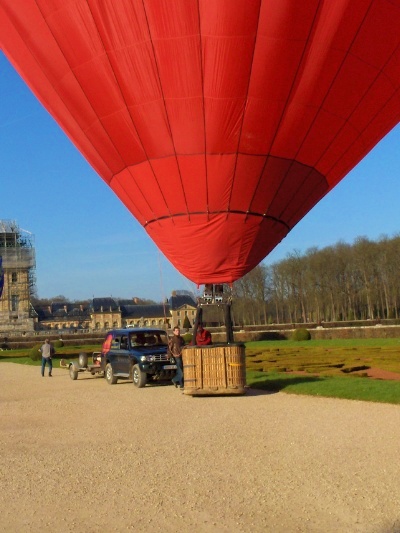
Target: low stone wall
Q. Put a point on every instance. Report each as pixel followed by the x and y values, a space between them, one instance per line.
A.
pixel 25 341
pixel 219 335
pixel 363 332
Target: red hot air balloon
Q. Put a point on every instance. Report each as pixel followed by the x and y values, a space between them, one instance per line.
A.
pixel 218 123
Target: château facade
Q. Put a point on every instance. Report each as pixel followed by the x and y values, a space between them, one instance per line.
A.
pixel 105 313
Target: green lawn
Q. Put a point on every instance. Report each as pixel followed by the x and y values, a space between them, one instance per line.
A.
pixel 66 352
pixel 356 388
pixel 332 368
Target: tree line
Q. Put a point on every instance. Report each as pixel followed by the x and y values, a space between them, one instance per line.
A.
pixel 341 282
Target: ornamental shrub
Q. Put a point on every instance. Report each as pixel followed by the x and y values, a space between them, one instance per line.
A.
pixel 301 334
pixel 187 337
pixel 186 323
pixel 34 352
pixel 58 343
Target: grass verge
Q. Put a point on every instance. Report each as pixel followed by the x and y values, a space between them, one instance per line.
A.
pixel 66 352
pixel 355 388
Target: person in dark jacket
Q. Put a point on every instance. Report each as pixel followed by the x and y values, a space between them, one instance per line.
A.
pixel 175 347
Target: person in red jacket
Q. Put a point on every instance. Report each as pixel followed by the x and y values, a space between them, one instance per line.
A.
pixel 203 336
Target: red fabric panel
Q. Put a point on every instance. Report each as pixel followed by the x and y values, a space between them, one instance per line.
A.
pixel 221 170
pixel 225 119
pixel 194 178
pixel 139 190
pixel 249 170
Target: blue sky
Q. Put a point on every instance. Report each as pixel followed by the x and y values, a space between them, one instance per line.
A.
pixel 88 244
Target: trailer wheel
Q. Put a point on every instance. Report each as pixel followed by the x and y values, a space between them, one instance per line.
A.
pixel 109 374
pixel 73 371
pixel 83 360
pixel 139 378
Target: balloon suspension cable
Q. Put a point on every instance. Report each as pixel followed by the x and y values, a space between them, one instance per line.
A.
pixel 162 287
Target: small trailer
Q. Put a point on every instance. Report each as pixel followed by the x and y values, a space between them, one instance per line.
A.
pixel 75 367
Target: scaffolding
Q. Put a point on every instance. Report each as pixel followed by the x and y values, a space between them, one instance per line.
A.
pixel 18 262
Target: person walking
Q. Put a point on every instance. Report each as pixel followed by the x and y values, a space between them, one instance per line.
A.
pixel 47 351
pixel 175 346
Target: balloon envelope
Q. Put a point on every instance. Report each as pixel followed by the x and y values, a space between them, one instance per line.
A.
pixel 218 123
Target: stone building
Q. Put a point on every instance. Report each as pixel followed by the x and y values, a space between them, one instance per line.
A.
pixel 110 313
pixel 63 316
pixel 18 268
pixel 182 304
pixel 106 313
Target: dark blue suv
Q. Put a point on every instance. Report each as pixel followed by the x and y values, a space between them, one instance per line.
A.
pixel 140 354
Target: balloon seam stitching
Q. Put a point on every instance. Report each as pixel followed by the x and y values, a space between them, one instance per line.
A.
pixel 227 211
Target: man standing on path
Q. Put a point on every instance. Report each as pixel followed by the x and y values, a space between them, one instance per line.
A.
pixel 175 346
pixel 47 351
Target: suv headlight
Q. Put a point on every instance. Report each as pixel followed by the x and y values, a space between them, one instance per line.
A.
pixel 147 358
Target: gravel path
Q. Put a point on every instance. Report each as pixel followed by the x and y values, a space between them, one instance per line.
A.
pixel 81 456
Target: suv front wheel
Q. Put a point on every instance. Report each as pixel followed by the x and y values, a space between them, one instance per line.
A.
pixel 110 378
pixel 139 378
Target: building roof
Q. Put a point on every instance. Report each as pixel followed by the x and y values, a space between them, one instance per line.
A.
pixel 99 305
pixel 60 310
pixel 177 301
pixel 145 311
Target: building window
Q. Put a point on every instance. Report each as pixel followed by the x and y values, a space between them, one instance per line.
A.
pixel 178 313
pixel 14 302
pixel 14 277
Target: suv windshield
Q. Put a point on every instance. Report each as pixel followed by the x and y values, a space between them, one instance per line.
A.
pixel 154 338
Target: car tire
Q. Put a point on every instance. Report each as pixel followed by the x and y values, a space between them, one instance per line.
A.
pixel 73 371
pixel 139 378
pixel 109 374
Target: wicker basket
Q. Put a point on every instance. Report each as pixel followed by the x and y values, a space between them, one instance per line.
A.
pixel 214 370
